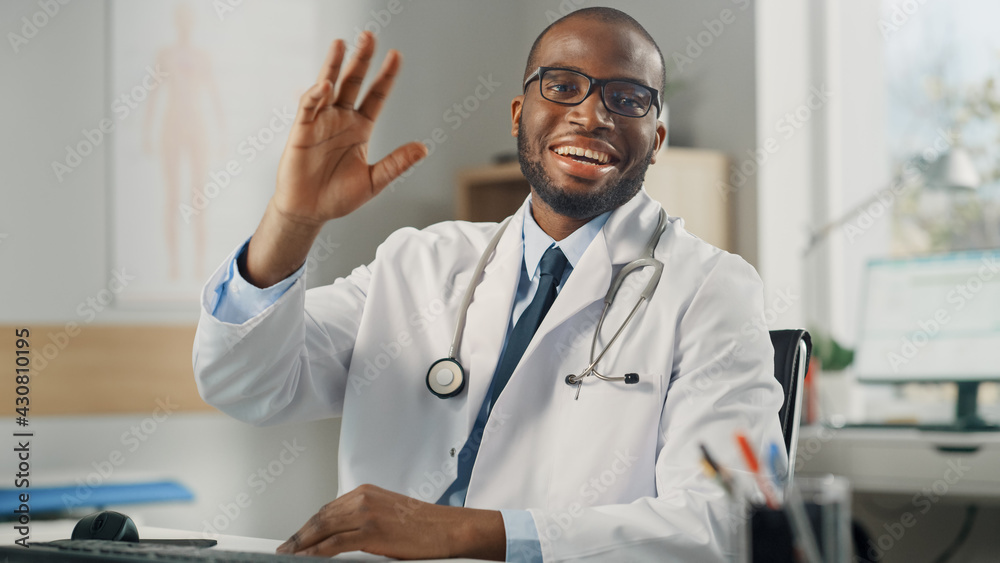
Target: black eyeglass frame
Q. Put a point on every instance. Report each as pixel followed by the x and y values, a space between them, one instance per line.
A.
pixel 654 101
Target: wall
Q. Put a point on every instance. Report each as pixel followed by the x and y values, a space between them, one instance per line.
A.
pixel 786 127
pixel 858 162
pixel 54 255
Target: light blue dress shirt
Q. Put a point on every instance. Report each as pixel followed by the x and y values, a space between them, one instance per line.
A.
pixel 238 301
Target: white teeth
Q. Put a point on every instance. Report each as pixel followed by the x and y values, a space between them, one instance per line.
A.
pixel 600 157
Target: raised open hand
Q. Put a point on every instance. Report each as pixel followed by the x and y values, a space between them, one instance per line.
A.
pixel 324 171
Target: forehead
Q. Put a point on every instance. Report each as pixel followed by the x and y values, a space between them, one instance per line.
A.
pixel 600 49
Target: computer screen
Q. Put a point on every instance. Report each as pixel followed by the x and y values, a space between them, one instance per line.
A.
pixel 931 318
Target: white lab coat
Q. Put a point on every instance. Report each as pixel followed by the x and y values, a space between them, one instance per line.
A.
pixel 614 475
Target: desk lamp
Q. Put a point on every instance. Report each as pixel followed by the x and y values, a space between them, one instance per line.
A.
pixel 953 172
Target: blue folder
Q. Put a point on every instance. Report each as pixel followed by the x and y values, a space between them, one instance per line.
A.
pixel 47 500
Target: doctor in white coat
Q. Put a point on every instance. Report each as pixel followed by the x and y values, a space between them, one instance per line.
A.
pixel 592 470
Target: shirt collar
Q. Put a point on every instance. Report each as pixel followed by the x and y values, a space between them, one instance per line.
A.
pixel 536 241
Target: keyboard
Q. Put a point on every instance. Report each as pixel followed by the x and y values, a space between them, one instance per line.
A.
pixel 88 551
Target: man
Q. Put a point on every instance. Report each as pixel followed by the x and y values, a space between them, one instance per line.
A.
pixel 520 463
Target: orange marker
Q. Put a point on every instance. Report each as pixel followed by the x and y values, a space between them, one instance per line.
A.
pixel 751 461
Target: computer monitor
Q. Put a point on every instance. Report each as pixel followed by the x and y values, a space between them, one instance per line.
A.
pixel 932 319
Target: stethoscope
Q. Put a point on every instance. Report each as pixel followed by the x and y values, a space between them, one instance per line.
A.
pixel 446 377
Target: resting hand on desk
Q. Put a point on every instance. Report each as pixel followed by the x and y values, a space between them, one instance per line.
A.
pixel 324 172
pixel 382 522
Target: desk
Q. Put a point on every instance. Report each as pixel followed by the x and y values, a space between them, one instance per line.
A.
pixel 51 530
pixel 912 489
pixel 905 460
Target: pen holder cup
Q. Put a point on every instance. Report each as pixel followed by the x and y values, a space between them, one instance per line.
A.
pixel 770 535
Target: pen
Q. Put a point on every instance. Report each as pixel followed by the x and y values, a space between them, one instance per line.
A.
pixel 715 470
pixel 776 472
pixel 751 461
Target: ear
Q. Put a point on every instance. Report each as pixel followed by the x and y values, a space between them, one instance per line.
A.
pixel 661 135
pixel 515 114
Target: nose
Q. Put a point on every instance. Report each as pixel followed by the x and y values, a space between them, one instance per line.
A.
pixel 590 114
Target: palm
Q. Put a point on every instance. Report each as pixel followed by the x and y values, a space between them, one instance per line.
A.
pixel 324 171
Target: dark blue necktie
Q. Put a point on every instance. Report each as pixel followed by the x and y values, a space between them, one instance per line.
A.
pixel 550 273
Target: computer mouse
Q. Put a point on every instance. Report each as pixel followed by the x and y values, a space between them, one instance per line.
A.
pixel 106 525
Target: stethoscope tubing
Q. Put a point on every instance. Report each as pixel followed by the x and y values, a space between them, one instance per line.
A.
pixel 456 340
pixel 646 260
pixel 592 368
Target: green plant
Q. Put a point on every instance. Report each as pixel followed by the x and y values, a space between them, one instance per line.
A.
pixel 831 355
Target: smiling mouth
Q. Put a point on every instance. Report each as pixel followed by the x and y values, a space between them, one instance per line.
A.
pixel 587 156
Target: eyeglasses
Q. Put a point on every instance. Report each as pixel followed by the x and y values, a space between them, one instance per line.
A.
pixel 570 88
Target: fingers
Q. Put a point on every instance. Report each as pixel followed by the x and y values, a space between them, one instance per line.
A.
pixel 313 101
pixel 318 96
pixel 372 104
pixel 331 65
pixel 339 543
pixel 355 72
pixel 322 526
pixel 395 163
pixel 350 84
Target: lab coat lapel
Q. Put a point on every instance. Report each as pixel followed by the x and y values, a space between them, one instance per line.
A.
pixel 629 228
pixel 622 240
pixel 489 313
pixel 587 283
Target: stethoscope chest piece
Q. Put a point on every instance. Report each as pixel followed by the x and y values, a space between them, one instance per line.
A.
pixel 446 378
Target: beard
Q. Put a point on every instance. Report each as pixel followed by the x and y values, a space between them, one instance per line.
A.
pixel 579 205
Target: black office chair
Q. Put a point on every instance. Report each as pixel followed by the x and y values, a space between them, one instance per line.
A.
pixel 791 359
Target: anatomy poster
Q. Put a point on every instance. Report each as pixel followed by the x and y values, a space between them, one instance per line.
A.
pixel 201 97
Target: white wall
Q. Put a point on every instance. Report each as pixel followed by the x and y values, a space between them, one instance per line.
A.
pixel 783 89
pixel 858 162
pixel 54 255
pixel 835 160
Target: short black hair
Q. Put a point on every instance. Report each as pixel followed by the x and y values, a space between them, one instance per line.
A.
pixel 606 15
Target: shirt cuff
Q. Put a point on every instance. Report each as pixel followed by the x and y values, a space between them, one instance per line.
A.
pixel 237 300
pixel 523 545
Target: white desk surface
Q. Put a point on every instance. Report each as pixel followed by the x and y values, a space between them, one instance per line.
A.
pixel 904 460
pixel 51 530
